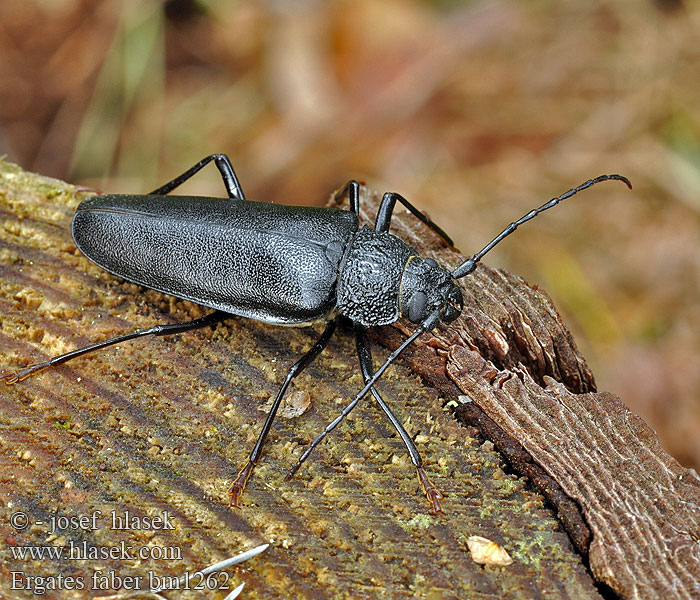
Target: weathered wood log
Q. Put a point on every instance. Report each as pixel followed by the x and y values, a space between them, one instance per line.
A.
pixel 161 426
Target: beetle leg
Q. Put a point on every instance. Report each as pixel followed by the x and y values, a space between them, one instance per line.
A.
pixel 233 187
pixel 386 209
pixel 319 438
pixel 425 326
pixel 364 353
pixel 370 376
pixel 209 319
pixel 352 189
pixel 241 480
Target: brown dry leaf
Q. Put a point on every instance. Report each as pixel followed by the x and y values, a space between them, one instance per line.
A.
pixel 488 552
pixel 294 405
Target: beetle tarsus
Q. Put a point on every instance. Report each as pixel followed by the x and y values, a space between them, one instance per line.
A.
pixel 237 487
pixel 10 378
pixel 23 374
pixel 292 471
pixel 431 492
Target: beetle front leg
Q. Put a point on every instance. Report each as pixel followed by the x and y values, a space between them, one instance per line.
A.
pixel 364 353
pixel 425 326
pixel 386 209
pixel 241 480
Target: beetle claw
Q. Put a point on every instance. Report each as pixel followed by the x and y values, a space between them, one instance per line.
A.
pixel 22 374
pixel 10 378
pixel 239 484
pixel 235 493
pixel 290 474
pixel 434 496
pixel 432 493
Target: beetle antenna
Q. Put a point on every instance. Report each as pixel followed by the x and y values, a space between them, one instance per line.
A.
pixel 470 264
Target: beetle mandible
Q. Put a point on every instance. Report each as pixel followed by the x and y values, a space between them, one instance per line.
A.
pixel 285 265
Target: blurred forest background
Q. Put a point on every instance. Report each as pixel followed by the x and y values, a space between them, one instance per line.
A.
pixel 477 111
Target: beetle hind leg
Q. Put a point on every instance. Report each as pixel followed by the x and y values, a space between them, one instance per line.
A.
pixel 233 187
pixel 158 330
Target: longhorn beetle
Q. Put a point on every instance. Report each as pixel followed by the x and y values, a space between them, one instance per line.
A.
pixel 286 265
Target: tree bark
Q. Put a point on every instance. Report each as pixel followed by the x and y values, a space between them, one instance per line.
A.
pixel 160 427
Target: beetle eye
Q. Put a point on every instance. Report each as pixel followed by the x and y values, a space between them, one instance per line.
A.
pixel 416 307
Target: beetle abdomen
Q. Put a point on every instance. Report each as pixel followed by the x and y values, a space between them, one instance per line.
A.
pixel 253 259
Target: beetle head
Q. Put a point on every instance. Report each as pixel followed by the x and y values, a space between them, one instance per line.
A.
pixel 427 289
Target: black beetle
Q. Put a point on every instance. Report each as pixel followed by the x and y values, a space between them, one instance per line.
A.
pixel 285 265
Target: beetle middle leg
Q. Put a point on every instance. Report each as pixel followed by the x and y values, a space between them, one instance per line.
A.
pixel 158 330
pixel 362 393
pixel 241 480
